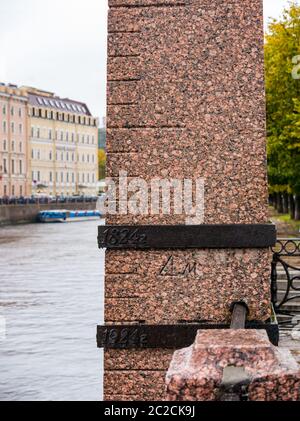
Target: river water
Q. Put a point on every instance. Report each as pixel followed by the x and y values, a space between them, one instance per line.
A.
pixel 51 288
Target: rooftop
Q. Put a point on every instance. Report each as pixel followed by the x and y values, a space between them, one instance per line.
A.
pixel 57 103
pixel 41 98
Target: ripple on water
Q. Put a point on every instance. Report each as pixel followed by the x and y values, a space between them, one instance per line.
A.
pixel 51 297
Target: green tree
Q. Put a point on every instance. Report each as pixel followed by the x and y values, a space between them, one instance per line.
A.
pixel 101 163
pixel 283 107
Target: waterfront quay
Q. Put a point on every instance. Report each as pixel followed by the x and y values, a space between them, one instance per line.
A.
pixel 16 211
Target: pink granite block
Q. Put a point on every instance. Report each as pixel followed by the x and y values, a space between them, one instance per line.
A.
pixel 139 3
pixel 186 285
pixel 145 359
pixel 196 373
pixel 122 92
pixel 123 69
pixel 186 100
pixel 123 44
pixel 148 385
pixel 124 20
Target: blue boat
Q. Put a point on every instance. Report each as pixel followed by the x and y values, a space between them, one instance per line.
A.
pixel 67 216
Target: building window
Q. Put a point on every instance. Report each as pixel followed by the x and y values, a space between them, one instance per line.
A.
pixel 32 176
pixel 5 166
pixel 50 177
pixel 67 177
pixel 13 190
pixel 73 178
pixel 93 178
pixel 62 177
pixel 21 167
pixel 73 137
pixel 4 110
pixel 67 136
pixel 67 156
pixel 12 127
pixel 20 112
pixel 32 153
pixel 20 128
pixel 62 156
pixel 32 131
pixel 50 134
pixel 93 139
pixel 50 156
pixel 4 126
pixel 20 147
pixel 73 157
pixel 12 166
pixel 21 190
pixel 61 135
pixel 56 177
pixel 4 145
pixel 88 139
pixel 88 158
pixel 88 177
pixel 83 138
pixel 12 111
pixel 83 177
pixel 38 132
pixel 13 145
pixel 38 154
pixel 82 157
pixel 93 159
pixel 38 176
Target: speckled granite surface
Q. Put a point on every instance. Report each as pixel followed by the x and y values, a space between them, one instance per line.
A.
pixel 186 100
pixel 196 373
pixel 157 286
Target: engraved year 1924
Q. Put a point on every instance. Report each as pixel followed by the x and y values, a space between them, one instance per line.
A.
pixel 124 338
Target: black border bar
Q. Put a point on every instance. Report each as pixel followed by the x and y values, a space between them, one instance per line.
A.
pixel 142 237
pixel 177 336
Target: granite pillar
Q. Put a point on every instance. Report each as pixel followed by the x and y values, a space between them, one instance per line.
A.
pixel 233 365
pixel 185 100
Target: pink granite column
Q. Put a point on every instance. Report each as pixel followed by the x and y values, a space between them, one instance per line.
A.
pixel 185 100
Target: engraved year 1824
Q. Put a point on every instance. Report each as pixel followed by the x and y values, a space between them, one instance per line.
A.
pixel 115 237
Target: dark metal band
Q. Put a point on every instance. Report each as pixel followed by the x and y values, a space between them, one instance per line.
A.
pixel 165 336
pixel 187 236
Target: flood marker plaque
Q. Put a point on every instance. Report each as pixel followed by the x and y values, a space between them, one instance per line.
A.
pixel 187 237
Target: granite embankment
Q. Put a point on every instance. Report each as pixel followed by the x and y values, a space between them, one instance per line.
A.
pixel 19 214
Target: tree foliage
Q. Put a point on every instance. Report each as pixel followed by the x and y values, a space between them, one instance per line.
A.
pixel 101 163
pixel 282 57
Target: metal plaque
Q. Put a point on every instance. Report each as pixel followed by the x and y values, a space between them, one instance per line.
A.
pixel 164 336
pixel 186 236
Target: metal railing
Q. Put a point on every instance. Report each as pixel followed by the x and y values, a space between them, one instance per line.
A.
pixel 286 255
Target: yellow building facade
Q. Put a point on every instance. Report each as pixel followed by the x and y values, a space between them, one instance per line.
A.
pixel 63 145
pixel 48 145
pixel 14 145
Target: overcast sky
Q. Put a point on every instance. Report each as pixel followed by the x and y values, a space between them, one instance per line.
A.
pixel 60 46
